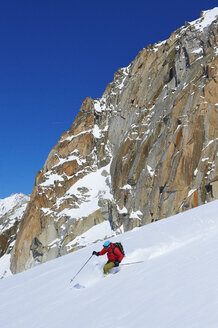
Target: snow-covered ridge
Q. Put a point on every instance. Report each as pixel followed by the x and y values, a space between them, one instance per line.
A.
pixel 11 212
pixel 207 18
pixel 8 203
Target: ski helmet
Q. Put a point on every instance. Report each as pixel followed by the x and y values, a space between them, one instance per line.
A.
pixel 107 244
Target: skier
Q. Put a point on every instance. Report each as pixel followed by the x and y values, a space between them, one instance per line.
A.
pixel 114 255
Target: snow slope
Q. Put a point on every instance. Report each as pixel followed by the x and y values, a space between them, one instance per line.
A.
pixel 175 287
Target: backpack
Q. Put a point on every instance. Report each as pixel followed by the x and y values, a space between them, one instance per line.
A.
pixel 120 246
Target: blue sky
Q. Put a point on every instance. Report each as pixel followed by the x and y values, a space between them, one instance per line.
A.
pixel 53 55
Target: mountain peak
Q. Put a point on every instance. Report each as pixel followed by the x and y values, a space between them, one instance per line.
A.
pixel 144 151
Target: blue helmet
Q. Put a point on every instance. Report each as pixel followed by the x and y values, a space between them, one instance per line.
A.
pixel 107 244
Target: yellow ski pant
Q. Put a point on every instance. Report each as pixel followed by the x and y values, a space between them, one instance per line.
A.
pixel 108 266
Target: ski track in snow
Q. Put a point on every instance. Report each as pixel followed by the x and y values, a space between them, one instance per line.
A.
pixel 175 287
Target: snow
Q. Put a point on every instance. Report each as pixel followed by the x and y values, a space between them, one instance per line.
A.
pixel 96 131
pixel 197 51
pixel 210 142
pixel 123 210
pixel 200 24
pixel 136 215
pixel 8 203
pixel 100 231
pixel 96 187
pixel 208 17
pixel 185 86
pixel 70 158
pixel 191 192
pixel 156 46
pixel 5 266
pixel 76 135
pixel 11 210
pixel 150 170
pixel 46 210
pixel 51 178
pixel 175 287
pixel 97 106
pixel 127 186
pixel 16 216
pixel 125 72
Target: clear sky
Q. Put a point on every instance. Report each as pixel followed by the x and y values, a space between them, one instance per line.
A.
pixel 53 54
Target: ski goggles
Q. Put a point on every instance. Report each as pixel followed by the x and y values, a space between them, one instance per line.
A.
pixel 106 247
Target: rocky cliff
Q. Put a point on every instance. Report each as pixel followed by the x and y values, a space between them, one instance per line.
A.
pixel 142 152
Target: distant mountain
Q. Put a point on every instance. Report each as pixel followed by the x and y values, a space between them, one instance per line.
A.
pixel 11 211
pixel 145 151
pixel 9 204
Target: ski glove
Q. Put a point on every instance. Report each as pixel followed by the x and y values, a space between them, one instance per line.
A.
pixel 95 253
pixel 116 263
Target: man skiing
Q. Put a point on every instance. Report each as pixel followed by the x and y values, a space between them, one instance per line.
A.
pixel 114 255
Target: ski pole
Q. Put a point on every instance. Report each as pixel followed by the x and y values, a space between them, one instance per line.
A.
pixel 81 269
pixel 132 263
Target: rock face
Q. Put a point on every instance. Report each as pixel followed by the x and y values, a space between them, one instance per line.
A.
pixel 145 151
